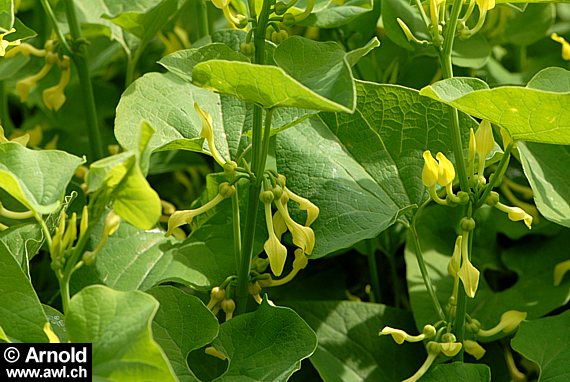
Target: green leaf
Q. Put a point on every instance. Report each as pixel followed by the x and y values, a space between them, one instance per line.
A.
pixel 527 27
pixel 6 15
pixel 265 345
pixel 331 14
pixel 182 324
pixel 146 259
pixel 545 341
pixel 292 84
pixel 458 372
pixel 22 31
pixel 118 324
pixel 145 23
pixel 21 315
pixel 273 86
pixel 514 276
pixel 182 62
pixel 349 347
pixel 545 167
pixel 120 178
pixel 56 321
pixel 372 158
pixel 23 242
pixel 37 179
pixel 529 114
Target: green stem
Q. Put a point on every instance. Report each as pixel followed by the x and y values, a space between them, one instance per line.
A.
pixel 5 120
pixel 447 71
pixel 424 271
pixel 259 156
pixel 64 292
pixel 520 58
pixel 373 268
pixel 79 56
pixel 132 65
pixel 237 227
pixel 202 12
pixel 423 13
pixel 494 180
pixel 62 40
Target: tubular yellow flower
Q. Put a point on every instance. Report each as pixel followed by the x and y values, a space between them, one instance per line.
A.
pixel 54 97
pixel 5 44
pixel 23 87
pixel 468 274
pixel 208 133
pixel 485 5
pixel 485 143
pixel 305 205
pixel 406 30
pixel 182 217
pixel 430 172
pixel 279 225
pixel 398 335
pixel 446 173
pixel 473 348
pixel 276 252
pixel 52 337
pixel 510 320
pixel 472 151
pixel 27 50
pixel 455 261
pixel 515 214
pixel 565 45
pixel 303 237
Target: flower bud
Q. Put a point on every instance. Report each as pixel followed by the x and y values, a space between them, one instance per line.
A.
pixel 492 199
pixel 280 8
pixel 226 190
pixel 474 349
pixel 467 224
pixel 446 173
pixel 89 257
pixel 266 197
pixel 288 20
pixel 430 171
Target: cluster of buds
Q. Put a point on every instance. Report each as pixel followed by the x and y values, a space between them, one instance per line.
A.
pixel 441 172
pixel 112 222
pixel 220 300
pixel 54 96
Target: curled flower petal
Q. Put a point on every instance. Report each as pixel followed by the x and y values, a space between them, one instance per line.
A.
pixel 473 348
pixel 446 172
pixel 510 320
pixel 398 335
pixel 516 214
pixel 207 133
pixel 305 205
pixel 182 217
pixel 276 252
pixel 565 45
pixel 430 172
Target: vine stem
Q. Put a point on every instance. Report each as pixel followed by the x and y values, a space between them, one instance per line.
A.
pixel 422 265
pixel 202 12
pixel 260 145
pixel 447 72
pixel 461 309
pixel 373 268
pixel 237 228
pixel 79 56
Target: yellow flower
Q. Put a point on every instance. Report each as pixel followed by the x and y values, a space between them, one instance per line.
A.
pixel 23 87
pixel 455 261
pixel 468 274
pixel 406 29
pixel 450 349
pixel 515 214
pixel 303 237
pixel 510 320
pixel 400 336
pixel 182 217
pixel 485 143
pixel 52 337
pixel 430 172
pixel 565 45
pixel 5 44
pixel 208 133
pixel 446 170
pixel 473 348
pixel 305 205
pixel 54 97
pixel 276 252
pixel 27 50
pixel 485 5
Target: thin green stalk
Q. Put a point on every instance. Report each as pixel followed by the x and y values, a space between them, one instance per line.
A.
pixel 423 13
pixel 237 227
pixel 259 156
pixel 64 292
pixel 132 65
pixel 202 12
pixel 79 56
pixel 373 269
pixel 62 40
pixel 424 272
pixel 447 71
pixel 494 180
pixel 5 120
